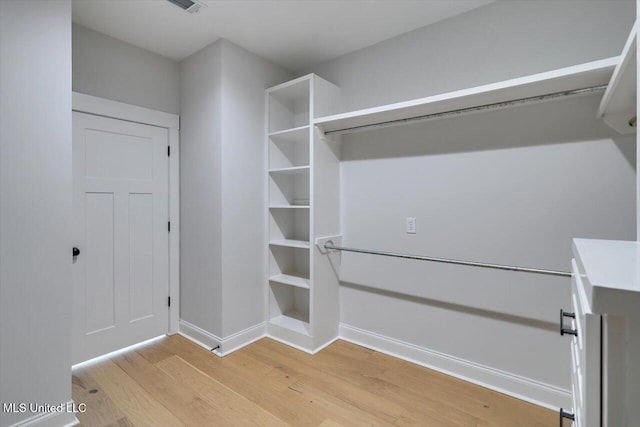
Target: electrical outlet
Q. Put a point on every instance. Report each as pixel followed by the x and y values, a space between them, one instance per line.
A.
pixel 411 226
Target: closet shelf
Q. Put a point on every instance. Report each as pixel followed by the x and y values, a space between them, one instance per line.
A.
pixel 292 279
pixel 618 104
pixel 293 134
pixel 580 76
pixel 293 321
pixel 290 243
pixel 295 155
pixel 290 170
pixel 289 207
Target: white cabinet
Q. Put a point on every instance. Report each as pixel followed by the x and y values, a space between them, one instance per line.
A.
pixel 303 204
pixel 585 354
pixel 604 329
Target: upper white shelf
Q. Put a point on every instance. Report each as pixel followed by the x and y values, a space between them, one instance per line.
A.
pixel 291 135
pixel 618 104
pixel 299 280
pixel 291 243
pixel 581 76
pixel 288 206
pixel 288 105
pixel 294 170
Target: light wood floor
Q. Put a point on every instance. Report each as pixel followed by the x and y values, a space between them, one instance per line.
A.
pixel 173 382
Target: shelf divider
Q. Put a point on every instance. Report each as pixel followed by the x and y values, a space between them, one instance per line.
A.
pixel 290 170
pixel 293 321
pixel 290 243
pixel 291 279
pixel 286 132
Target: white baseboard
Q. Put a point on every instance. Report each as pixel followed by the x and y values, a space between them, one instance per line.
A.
pixel 288 343
pixel 243 338
pixel 541 394
pixel 50 419
pixel 325 345
pixel 198 335
pixel 225 345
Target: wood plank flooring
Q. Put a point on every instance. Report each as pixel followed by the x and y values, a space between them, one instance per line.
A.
pixel 173 382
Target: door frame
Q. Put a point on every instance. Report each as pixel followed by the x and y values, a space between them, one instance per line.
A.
pixel 83 103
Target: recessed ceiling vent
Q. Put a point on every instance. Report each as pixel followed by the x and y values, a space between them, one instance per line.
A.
pixel 191 6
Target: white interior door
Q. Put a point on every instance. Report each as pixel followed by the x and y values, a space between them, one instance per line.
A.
pixel 120 206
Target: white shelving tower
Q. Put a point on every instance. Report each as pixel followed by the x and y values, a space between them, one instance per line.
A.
pixel 303 176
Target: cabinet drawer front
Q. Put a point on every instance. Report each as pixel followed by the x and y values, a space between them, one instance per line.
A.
pixel 576 404
pixel 586 350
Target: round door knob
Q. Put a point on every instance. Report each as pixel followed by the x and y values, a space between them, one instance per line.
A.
pixel 76 251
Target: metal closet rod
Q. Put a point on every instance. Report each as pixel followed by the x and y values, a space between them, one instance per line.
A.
pixel 330 245
pixel 476 109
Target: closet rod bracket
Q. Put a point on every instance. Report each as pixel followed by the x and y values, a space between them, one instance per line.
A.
pixel 325 244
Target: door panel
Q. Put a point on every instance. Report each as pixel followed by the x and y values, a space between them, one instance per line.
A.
pixel 120 278
pixel 141 256
pixel 117 156
pixel 99 263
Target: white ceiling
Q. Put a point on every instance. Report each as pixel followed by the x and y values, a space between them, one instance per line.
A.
pixel 293 33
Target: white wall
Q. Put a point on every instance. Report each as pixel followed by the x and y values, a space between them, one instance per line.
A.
pixel 200 190
pixel 245 77
pixel 222 191
pixel 35 205
pixel 502 40
pixel 508 187
pixel 112 69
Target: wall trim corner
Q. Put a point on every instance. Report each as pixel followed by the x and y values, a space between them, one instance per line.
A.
pixel 225 345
